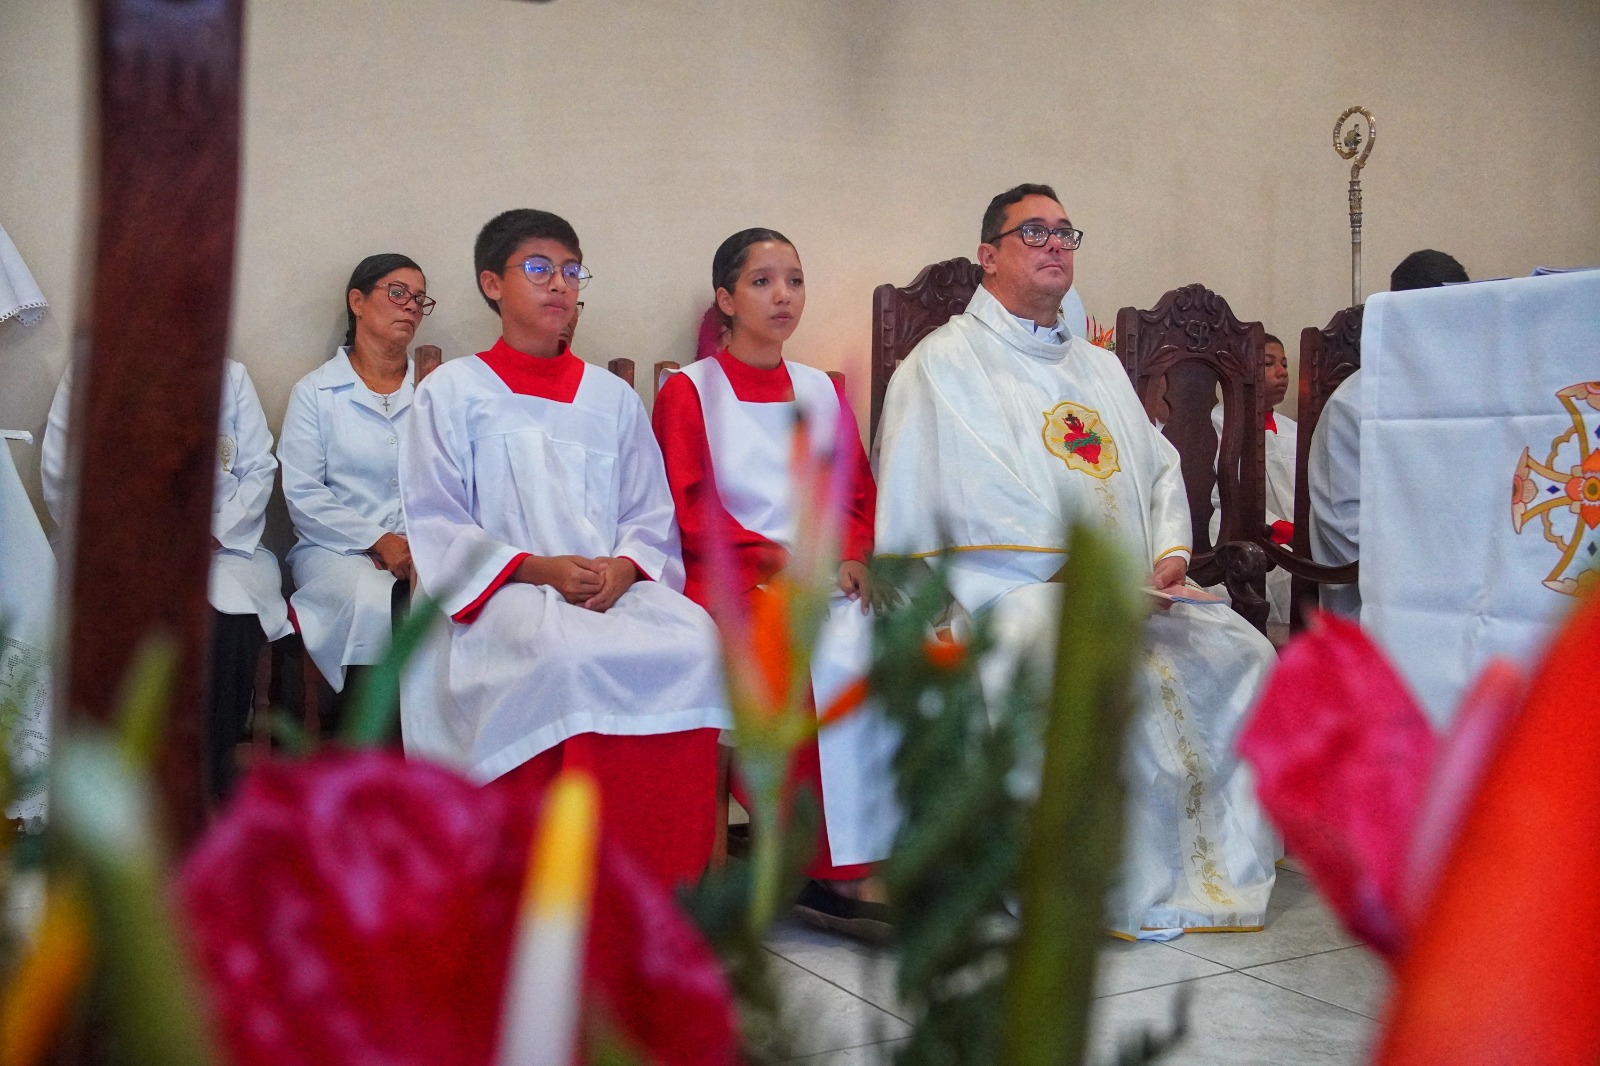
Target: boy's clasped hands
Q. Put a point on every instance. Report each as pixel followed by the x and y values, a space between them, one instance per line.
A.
pixel 596 583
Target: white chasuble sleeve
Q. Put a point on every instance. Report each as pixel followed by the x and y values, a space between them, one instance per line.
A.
pixel 944 480
pixel 244 477
pixel 457 561
pixel 1170 527
pixel 647 524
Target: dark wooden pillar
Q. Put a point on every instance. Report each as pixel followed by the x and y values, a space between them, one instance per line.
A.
pixel 153 331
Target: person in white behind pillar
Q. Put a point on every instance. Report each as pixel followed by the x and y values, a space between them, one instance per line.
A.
pixel 998 431
pixel 245 589
pixel 340 452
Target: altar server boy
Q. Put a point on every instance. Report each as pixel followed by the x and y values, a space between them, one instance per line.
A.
pixel 541 523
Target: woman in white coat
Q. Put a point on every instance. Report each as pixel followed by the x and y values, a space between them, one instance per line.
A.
pixel 340 453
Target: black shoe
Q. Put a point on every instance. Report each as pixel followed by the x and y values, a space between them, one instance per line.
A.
pixel 824 908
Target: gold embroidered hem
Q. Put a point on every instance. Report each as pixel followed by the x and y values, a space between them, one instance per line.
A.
pixel 972 548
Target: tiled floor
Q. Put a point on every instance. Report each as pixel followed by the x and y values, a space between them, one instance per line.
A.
pixel 1302 991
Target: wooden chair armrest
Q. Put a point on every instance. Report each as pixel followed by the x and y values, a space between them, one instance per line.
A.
pixel 1299 566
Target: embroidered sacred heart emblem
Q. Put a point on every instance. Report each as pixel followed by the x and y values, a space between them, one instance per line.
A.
pixel 1075 435
pixel 1563 492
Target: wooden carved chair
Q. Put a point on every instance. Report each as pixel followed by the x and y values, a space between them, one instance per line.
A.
pixel 1327 357
pixel 1177 354
pixel 903 316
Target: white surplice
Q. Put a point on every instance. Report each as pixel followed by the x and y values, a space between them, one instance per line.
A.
pixel 750 445
pixel 1333 475
pixel 993 439
pixel 244 575
pixel 1279 449
pixel 489 476
pixel 340 452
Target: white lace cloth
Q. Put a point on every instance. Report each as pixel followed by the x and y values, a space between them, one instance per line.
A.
pixel 19 293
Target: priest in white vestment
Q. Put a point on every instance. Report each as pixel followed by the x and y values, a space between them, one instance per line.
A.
pixel 246 586
pixel 1000 430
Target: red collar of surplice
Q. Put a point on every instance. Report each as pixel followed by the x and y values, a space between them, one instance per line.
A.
pixel 1270 423
pixel 752 384
pixel 553 378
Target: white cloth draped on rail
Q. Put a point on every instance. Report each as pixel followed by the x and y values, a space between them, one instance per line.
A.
pixel 1480 471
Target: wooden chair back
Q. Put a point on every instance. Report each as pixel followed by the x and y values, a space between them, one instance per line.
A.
pixel 663 369
pixel 902 316
pixel 1327 357
pixel 1178 355
pixel 426 359
pixel 623 368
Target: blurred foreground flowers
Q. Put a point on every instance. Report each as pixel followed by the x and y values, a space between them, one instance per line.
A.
pixel 1468 861
pixel 354 907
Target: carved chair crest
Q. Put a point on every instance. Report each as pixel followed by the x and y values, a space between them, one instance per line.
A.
pixel 903 316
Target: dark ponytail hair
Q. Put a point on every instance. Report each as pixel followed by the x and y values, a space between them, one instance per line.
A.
pixel 730 260
pixel 365 277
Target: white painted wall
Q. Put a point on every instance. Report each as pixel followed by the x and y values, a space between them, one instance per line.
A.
pixel 1191 141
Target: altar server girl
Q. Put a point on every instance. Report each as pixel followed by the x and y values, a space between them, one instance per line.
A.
pixel 541 523
pixel 340 453
pixel 726 424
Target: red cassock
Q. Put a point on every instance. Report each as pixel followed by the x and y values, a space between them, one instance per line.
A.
pixel 751 410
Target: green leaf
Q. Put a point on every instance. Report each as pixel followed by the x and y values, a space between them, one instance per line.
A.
pixel 1074 829
pixel 375 707
pixel 103 808
pixel 146 691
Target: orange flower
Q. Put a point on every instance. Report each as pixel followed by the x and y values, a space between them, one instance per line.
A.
pixel 48 980
pixel 943 654
pixel 1584 490
pixel 1105 337
pixel 853 696
pixel 771 643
